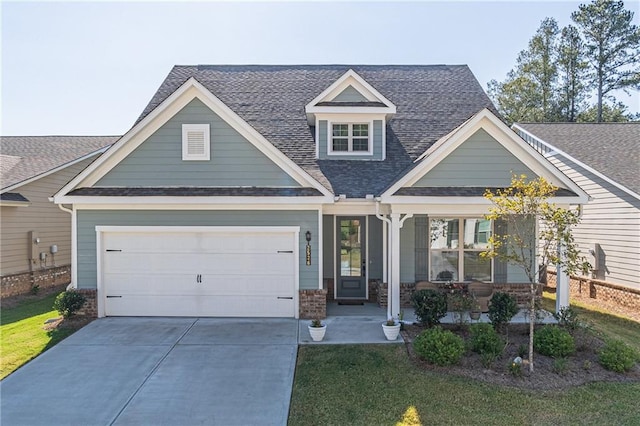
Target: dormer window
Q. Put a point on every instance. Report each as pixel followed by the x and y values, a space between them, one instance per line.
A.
pixel 350 138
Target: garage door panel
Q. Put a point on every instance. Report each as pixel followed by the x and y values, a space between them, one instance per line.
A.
pixel 199 273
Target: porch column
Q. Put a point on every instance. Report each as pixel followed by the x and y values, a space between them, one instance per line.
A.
pixel 394 293
pixel 562 281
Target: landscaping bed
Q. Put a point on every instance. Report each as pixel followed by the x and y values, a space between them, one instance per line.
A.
pixel 580 368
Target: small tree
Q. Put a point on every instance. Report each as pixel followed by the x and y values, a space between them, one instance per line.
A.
pixel 522 207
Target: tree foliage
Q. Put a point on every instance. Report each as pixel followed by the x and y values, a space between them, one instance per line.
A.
pixel 523 206
pixel 612 45
pixel 562 68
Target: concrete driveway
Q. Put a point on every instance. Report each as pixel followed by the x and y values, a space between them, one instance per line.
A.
pixel 159 371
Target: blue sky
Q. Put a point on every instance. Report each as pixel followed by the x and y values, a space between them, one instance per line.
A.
pixel 90 68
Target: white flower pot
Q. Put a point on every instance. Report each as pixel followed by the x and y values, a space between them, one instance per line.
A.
pixel 317 333
pixel 391 331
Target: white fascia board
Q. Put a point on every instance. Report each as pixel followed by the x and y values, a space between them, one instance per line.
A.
pixel 402 200
pixel 505 136
pixel 190 90
pixel 208 202
pixel 350 109
pixel 556 151
pixel 360 84
pixel 6 203
pixel 206 229
pixel 54 170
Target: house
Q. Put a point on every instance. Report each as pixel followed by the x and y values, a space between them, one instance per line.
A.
pixel 35 233
pixel 268 190
pixel 604 159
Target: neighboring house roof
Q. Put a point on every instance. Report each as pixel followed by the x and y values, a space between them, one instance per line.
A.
pixel 613 149
pixel 431 101
pixel 24 158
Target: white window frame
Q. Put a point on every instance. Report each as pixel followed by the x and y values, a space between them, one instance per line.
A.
pixel 206 155
pixel 460 249
pixel 350 138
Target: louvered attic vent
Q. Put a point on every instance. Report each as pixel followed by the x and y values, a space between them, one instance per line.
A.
pixel 195 142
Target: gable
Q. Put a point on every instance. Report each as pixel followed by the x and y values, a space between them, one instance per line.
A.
pixel 234 161
pixel 350 94
pixel 480 161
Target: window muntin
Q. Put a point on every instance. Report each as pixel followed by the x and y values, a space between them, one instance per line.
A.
pixel 350 138
pixel 449 260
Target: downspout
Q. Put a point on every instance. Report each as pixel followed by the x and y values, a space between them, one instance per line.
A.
pixel 388 277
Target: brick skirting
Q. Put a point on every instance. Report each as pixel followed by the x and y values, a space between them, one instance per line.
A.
pixel 90 307
pixel 17 284
pixel 406 290
pixel 313 304
pixel 599 290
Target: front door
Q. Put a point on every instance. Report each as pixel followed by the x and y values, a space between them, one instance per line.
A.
pixel 351 250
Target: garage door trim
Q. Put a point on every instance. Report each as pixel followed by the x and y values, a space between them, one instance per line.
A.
pixel 100 249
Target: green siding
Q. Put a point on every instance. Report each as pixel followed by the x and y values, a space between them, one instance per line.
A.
pixel 349 94
pixel 377 140
pixel 234 160
pixel 328 249
pixel 479 161
pixel 89 219
pixel 407 251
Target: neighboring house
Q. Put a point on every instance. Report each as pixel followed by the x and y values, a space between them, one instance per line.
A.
pixel 604 159
pixel 257 190
pixel 35 233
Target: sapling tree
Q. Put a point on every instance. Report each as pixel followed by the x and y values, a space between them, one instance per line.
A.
pixel 524 207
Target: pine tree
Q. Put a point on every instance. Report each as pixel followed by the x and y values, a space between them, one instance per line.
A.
pixel 572 68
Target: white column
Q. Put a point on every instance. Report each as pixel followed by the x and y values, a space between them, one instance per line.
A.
pixel 562 281
pixel 394 293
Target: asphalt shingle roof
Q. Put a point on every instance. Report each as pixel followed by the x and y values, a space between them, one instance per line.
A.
pixel 195 192
pixel 431 100
pixel 24 157
pixel 613 149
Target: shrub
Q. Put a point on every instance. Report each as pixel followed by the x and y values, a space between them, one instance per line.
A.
pixel 515 369
pixel 68 303
pixel 485 340
pixel 553 341
pixel 568 318
pixel 617 356
pixel 439 346
pixel 430 306
pixel 523 351
pixel 560 366
pixel 502 307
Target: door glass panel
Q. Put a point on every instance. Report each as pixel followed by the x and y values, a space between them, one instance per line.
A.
pixel 350 248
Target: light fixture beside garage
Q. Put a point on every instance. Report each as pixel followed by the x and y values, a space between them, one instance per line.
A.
pixel 308 237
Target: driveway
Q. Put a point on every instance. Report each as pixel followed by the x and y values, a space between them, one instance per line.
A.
pixel 159 371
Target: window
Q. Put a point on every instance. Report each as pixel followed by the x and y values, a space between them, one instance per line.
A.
pixel 350 138
pixel 455 247
pixel 195 142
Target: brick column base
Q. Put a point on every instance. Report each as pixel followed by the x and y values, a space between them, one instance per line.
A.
pixel 90 307
pixel 313 304
pixel 406 290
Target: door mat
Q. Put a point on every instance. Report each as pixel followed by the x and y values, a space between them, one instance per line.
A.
pixel 351 302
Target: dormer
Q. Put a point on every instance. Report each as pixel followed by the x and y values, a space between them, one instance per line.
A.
pixel 350 120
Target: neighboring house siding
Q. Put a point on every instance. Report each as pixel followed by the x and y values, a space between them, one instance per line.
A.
pixel 377 140
pixel 349 94
pixel 52 224
pixel 89 219
pixel 611 219
pixel 479 161
pixel 234 160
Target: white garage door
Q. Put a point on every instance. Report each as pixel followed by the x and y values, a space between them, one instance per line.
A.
pixel 212 272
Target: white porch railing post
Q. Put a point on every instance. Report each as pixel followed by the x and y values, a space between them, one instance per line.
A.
pixel 562 281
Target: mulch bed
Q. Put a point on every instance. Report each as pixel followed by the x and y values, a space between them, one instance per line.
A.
pixel 583 366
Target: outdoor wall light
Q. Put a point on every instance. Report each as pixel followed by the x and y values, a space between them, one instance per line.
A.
pixel 308 235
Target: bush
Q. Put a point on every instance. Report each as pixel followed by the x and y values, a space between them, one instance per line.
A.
pixel 439 346
pixel 68 303
pixel 553 341
pixel 485 340
pixel 617 356
pixel 502 307
pixel 430 306
pixel 568 318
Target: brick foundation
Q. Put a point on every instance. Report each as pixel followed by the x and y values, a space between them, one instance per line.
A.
pixel 313 304
pixel 90 307
pixel 406 290
pixel 599 290
pixel 521 291
pixel 17 284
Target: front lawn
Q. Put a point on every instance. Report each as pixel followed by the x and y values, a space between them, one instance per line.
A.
pixel 22 333
pixel 378 384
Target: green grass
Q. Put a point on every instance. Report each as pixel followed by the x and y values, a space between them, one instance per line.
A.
pixel 22 336
pixel 378 384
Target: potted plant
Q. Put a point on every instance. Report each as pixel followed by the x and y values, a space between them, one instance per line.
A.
pixel 317 330
pixel 391 329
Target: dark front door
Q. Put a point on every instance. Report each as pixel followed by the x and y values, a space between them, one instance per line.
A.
pixel 351 250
